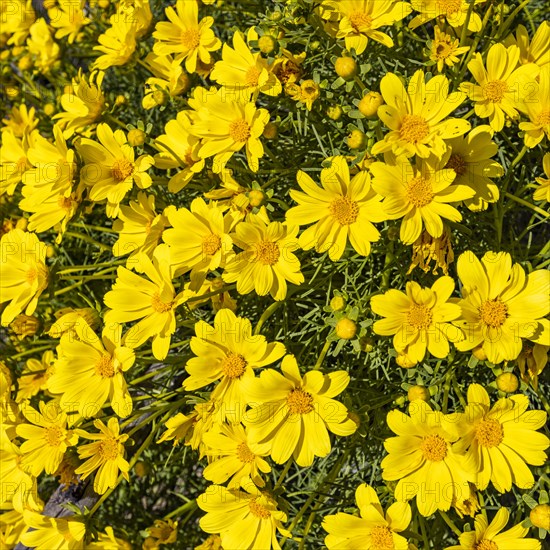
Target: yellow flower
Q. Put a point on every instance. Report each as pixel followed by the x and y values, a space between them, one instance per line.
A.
pixel 108 541
pixel 138 11
pixel 535 51
pixel 228 352
pixel 67 318
pixel 419 319
pixel 233 456
pixel 161 532
pixel 106 455
pixel 225 123
pixel 185 35
pixel 421 458
pixel 68 18
pixel 294 414
pixel 23 273
pixel 242 71
pixel 470 158
pixel 288 67
pixel 89 371
pixel 13 162
pixel 83 106
pixel 307 92
pixel 139 229
pixel 42 46
pixel 111 167
pixel 213 542
pixel 416 116
pixel 153 301
pixel 501 305
pixel 47 438
pixel 35 375
pixel 179 150
pixel 421 194
pixel 499 441
pixel 542 193
pixel 374 530
pixel 47 532
pixel 244 519
pixel 17 17
pixel 502 88
pixel 343 208
pixel 455 13
pixel 199 240
pixel 21 122
pixel 12 526
pixel 267 261
pixel 427 249
pixel 531 362
pixel 488 536
pixel 117 43
pixel 362 19
pixel 445 50
pixel 538 110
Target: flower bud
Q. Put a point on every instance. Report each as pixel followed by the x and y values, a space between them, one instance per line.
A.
pixel 507 382
pixel 270 130
pixel 136 137
pixel 356 140
pixel 267 44
pixel 418 392
pixel 335 112
pixel 346 67
pixel 338 303
pixel 346 329
pixel 479 353
pixel 369 104
pixel 256 197
pixel 540 516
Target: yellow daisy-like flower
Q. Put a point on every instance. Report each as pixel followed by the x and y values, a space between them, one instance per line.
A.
pixel 374 530
pixel 108 541
pixel 199 240
pixel 294 414
pixel 501 88
pixel 362 19
pixel 161 532
pixel 542 193
pixel 421 194
pixel 47 438
pixel 105 454
pixel 500 441
pixel 225 123
pixel 213 542
pixel 417 116
pixel 138 11
pixel 536 50
pixel 34 376
pixel 419 319
pixel 23 273
pixel 41 45
pixel 422 460
pixel 501 305
pixel 234 457
pixel 241 70
pixel 455 13
pixel 445 50
pixel 267 261
pixel 186 36
pixel 153 301
pixel 17 18
pixel 111 167
pixel 343 208
pixel 12 526
pixel 90 371
pixel 67 317
pixel 307 92
pixel 13 161
pixel 228 352
pixel 68 18
pixel 83 105
pixel 117 43
pixel 179 150
pixel 21 121
pixel 49 533
pixel 531 362
pixel 244 519
pixel 538 110
pixel 488 536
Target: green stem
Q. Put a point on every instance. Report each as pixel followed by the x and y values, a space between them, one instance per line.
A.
pixel 266 315
pixel 322 356
pixel 191 505
pixel 450 523
pixel 528 205
pixel 282 475
pixel 88 240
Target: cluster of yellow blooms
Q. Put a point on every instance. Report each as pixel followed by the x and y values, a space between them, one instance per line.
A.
pixel 67 411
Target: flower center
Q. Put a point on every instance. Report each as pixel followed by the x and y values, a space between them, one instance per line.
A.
pixel 299 402
pixel 244 454
pixel 64 202
pixel 234 365
pixel 344 210
pixel 486 545
pixel 381 538
pixel 494 91
pixel 310 90
pixel 53 436
pixel 239 130
pixel 419 317
pixel 105 367
pixel 211 244
pixel 543 119
pixel 108 449
pixel 489 432
pixel 443 50
pixel 259 510
pixel 493 313
pixel 267 252
pixel 360 19
pixel 414 128
pixel 122 168
pixel 419 191
pixel 449 6
pixel 252 76
pixel 159 306
pixel 458 164
pixel 434 448
pixel 191 38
